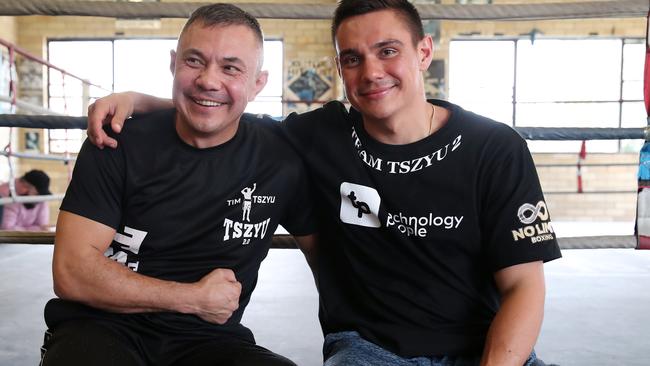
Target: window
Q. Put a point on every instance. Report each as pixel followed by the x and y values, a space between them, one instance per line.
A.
pixel 553 83
pixel 269 100
pixel 131 64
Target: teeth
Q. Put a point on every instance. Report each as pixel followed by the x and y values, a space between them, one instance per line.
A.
pixel 208 103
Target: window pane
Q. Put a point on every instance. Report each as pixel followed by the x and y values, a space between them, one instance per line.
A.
pixel 62 146
pixel 633 65
pixel 62 141
pixel 469 82
pixel 66 86
pixel 567 114
pixel 633 90
pixel 143 65
pixel 266 105
pixel 273 56
pixel 90 60
pixel 63 134
pixel 71 105
pixel 501 112
pixel 633 115
pixel 269 101
pixel 5 107
pixel 633 61
pixel 481 73
pixel 568 70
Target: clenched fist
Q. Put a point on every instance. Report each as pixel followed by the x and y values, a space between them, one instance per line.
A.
pixel 217 296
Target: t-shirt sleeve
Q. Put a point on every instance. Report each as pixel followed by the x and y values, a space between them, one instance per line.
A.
pixel 297 130
pixel 514 214
pixel 95 190
pixel 306 130
pixel 299 218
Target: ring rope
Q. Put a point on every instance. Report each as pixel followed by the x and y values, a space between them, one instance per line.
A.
pixel 132 10
pixel 529 133
pixel 34 156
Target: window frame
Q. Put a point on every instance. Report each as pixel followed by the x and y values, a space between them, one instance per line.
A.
pixel 621 101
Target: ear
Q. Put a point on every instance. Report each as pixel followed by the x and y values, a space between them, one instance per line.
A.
pixel 425 52
pixel 260 83
pixel 172 62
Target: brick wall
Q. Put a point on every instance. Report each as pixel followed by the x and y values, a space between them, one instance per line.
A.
pixel 8 29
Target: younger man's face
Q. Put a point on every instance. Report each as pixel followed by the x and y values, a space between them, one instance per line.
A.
pixel 379 65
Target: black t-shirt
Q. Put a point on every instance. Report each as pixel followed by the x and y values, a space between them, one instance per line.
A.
pixel 411 235
pixel 181 212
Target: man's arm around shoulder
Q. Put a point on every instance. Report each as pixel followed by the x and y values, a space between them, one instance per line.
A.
pixel 515 328
pixel 116 109
pixel 82 273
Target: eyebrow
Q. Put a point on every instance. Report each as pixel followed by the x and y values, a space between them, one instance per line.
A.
pixel 387 42
pixel 380 44
pixel 234 60
pixel 192 51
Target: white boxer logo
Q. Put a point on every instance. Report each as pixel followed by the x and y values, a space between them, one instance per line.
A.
pixel 360 205
pixel 528 213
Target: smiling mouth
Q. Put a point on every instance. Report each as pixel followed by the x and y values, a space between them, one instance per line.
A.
pixel 375 92
pixel 208 103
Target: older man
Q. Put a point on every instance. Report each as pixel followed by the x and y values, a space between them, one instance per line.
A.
pixel 153 262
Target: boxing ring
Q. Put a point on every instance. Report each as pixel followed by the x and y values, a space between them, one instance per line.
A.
pixel 597 297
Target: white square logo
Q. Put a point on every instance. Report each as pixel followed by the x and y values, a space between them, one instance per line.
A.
pixel 360 205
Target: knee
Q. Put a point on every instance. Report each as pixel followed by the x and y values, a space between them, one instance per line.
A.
pixel 85 343
pixel 344 350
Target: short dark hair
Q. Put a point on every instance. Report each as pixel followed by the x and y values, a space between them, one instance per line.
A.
pixel 350 8
pixel 224 14
pixel 39 179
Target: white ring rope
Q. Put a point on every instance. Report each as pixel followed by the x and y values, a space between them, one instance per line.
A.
pixel 29 107
pixel 34 156
pixel 30 199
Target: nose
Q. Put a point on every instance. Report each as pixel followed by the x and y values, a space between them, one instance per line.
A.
pixel 372 69
pixel 210 78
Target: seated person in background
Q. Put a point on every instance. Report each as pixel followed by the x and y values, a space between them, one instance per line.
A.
pixel 153 262
pixel 34 216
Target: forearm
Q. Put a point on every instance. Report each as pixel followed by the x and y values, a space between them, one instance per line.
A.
pixel 515 328
pixel 105 284
pixel 82 272
pixel 144 103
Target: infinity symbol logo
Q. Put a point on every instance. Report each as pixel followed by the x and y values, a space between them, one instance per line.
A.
pixel 528 213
